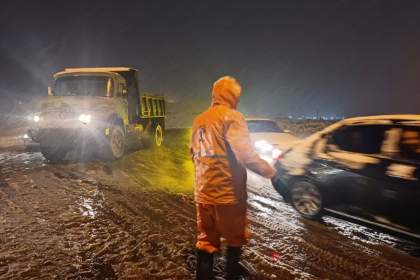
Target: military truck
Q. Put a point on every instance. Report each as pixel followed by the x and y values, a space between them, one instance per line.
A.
pixel 97 109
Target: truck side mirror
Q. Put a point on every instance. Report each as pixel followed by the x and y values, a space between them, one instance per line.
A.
pixel 50 93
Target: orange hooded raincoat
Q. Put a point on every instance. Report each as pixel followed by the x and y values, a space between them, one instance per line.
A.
pixel 221 149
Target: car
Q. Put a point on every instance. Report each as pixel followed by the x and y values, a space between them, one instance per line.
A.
pixel 364 168
pixel 268 138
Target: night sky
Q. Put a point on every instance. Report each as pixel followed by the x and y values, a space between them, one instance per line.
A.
pixel 293 57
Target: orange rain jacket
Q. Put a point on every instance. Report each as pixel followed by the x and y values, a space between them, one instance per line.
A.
pixel 221 149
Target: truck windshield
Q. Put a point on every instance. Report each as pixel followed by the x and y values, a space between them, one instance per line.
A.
pixel 261 126
pixel 82 86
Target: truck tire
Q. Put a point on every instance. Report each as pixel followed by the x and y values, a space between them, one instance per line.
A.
pixel 116 144
pixel 158 135
pixel 154 138
pixel 53 154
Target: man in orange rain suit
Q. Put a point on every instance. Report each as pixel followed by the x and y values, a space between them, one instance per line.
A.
pixel 221 151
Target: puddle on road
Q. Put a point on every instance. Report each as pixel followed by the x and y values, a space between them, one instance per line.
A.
pixel 371 236
pixel 359 232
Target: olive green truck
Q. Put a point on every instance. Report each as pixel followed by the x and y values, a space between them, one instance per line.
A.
pixel 97 109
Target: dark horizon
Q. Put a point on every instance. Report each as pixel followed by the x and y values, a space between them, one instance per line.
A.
pixel 296 58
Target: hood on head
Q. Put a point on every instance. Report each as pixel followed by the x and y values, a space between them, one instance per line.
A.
pixel 226 91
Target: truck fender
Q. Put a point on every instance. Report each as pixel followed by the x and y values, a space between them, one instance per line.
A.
pixel 114 119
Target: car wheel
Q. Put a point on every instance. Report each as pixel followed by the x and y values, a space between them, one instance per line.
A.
pixel 116 142
pixel 158 135
pixel 306 199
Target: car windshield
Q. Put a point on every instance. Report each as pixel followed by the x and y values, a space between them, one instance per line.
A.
pixel 260 126
pixel 82 86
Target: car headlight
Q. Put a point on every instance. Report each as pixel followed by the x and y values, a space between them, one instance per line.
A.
pixel 263 146
pixel 36 118
pixel 276 153
pixel 85 118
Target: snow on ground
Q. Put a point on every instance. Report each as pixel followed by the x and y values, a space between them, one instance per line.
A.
pixel 135 219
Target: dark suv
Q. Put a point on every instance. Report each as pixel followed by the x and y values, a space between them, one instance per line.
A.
pixel 367 168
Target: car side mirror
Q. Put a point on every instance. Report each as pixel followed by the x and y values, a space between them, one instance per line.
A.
pixel 50 93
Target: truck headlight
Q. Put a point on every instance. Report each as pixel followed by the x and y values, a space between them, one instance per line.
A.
pixel 36 118
pixel 85 118
pixel 263 146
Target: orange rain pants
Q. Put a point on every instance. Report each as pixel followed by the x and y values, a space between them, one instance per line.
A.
pixel 216 221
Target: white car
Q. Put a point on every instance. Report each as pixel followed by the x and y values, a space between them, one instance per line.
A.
pixel 268 138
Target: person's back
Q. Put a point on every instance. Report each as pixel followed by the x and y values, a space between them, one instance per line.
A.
pixel 222 150
pixel 222 178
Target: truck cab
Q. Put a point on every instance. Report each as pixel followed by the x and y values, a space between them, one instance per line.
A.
pixel 97 108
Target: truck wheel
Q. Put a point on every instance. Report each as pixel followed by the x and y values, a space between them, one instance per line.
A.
pixel 53 154
pixel 158 135
pixel 116 142
pixel 306 199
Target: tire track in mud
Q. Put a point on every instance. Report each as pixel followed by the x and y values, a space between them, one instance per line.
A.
pixel 92 221
pixel 101 226
pixel 151 242
pixel 96 235
pixel 298 249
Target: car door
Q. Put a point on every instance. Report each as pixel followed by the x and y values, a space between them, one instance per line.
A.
pixel 353 155
pixel 401 188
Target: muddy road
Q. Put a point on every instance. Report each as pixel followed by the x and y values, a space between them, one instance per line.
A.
pixel 134 219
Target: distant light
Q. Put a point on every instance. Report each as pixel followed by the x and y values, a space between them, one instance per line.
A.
pixel 37 118
pixel 25 136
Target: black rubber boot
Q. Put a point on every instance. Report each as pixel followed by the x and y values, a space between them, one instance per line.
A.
pixel 204 270
pixel 233 269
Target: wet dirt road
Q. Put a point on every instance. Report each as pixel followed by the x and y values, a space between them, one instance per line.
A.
pixel 97 220
pixel 85 221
